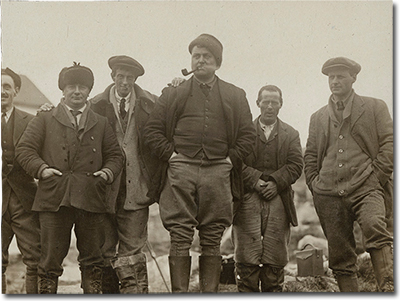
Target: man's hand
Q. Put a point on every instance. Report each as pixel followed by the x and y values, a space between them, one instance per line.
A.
pixel 269 190
pixel 260 185
pixel 48 172
pixel 45 107
pixel 102 174
pixel 176 82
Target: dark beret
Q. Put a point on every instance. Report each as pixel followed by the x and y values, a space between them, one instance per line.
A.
pixel 76 74
pixel 336 62
pixel 16 78
pixel 127 62
pixel 211 43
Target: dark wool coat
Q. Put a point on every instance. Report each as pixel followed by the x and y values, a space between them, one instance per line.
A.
pixel 162 122
pixel 51 139
pixel 143 105
pixel 16 178
pixel 289 160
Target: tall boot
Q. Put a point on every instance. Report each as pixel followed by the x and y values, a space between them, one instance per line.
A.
pixel 91 279
pixel 31 283
pixel 209 273
pixel 179 269
pixel 247 277
pixel 382 261
pixel 132 272
pixel 347 283
pixel 47 285
pixel 110 281
pixel 271 278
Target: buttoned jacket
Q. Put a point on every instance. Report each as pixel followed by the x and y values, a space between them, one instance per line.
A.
pixel 160 128
pixel 371 126
pixel 51 139
pixel 15 178
pixel 143 105
pixel 289 160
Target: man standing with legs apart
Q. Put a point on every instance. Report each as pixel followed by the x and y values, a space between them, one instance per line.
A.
pixel 201 130
pixel 348 167
pixel 19 188
pixel 261 224
pixel 127 107
pixel 74 154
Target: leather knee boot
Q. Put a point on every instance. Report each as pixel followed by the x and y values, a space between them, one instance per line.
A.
pixel 179 269
pixel 91 279
pixel 347 283
pixel 209 273
pixel 3 283
pixel 132 273
pixel 382 261
pixel 271 278
pixel 47 285
pixel 247 277
pixel 110 281
pixel 31 283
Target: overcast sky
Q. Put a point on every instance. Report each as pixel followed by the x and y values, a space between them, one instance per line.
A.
pixel 275 42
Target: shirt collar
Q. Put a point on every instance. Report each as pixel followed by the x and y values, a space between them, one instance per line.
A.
pixel 264 126
pixel 345 102
pixel 127 98
pixel 210 84
pixel 8 113
pixel 80 110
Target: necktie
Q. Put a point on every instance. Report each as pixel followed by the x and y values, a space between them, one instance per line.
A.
pixel 205 89
pixel 340 105
pixel 122 110
pixel 75 114
pixel 3 120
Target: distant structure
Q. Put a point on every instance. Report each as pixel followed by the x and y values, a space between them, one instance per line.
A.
pixel 30 98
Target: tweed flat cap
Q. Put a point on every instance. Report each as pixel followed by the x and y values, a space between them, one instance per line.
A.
pixel 126 61
pixel 76 74
pixel 211 43
pixel 336 62
pixel 16 78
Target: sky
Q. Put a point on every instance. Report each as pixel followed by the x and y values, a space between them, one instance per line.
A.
pixel 284 43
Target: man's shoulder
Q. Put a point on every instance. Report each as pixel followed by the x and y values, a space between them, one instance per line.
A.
pixel 22 114
pixel 229 86
pixel 370 101
pixel 321 111
pixel 287 127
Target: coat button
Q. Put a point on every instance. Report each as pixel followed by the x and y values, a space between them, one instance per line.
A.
pixel 340 164
pixel 340 150
pixel 341 192
pixel 94 150
pixel 341 137
pixel 91 138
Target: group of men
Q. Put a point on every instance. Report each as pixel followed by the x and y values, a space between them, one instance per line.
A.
pixel 101 163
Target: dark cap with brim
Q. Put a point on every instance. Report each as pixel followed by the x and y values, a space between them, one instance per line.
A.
pixel 125 61
pixel 76 75
pixel 211 43
pixel 341 62
pixel 16 78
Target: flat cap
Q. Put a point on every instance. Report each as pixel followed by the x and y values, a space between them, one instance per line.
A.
pixel 127 62
pixel 76 74
pixel 211 43
pixel 337 62
pixel 16 78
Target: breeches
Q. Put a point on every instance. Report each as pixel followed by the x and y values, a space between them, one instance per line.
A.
pixel 56 238
pixel 128 230
pixel 337 214
pixel 25 226
pixel 261 231
pixel 197 194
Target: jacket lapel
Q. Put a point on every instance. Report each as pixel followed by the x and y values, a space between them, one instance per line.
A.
pixel 357 110
pixel 20 121
pixel 282 134
pixel 90 121
pixel 61 116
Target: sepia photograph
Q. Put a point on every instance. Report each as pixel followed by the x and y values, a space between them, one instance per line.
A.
pixel 166 147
